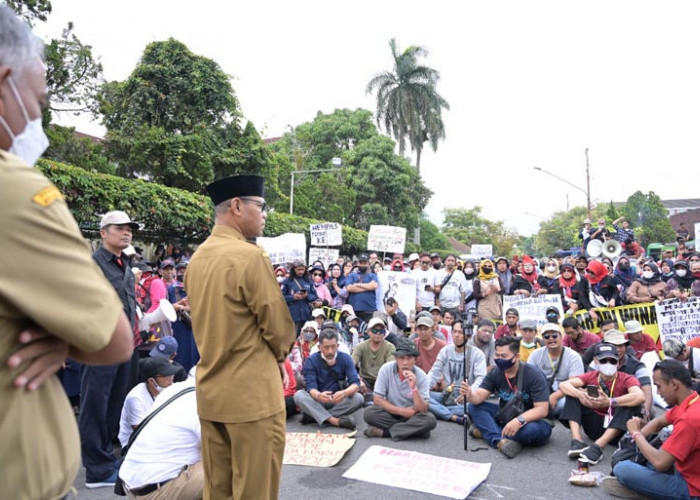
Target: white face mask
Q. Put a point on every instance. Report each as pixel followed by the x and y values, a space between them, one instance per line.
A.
pixel 607 369
pixel 31 143
pixel 647 275
pixel 680 273
pixel 469 270
pixel 528 345
pixel 551 269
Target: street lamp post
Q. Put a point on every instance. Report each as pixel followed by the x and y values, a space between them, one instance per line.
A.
pixel 336 162
pixel 586 191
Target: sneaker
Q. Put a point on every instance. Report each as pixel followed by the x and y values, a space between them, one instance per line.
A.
pixel 374 432
pixel 346 422
pixel 109 482
pixel 475 432
pixel 509 447
pixel 576 448
pixel 612 486
pixel 306 419
pixel 591 454
pixel 459 420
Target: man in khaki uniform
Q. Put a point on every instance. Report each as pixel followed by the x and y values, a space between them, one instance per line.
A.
pixel 243 330
pixel 49 284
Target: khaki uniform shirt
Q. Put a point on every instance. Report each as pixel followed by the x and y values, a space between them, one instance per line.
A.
pixel 48 279
pixel 242 327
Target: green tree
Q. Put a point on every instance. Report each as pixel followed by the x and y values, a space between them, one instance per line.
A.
pixel 431 238
pixel 612 212
pixel 408 104
pixel 31 10
pixel 649 217
pixel 470 227
pixel 66 146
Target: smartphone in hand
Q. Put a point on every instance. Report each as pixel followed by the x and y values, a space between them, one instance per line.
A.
pixel 592 391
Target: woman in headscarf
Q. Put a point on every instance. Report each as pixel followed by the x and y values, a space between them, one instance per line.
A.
pixel 684 283
pixel 550 275
pixel 318 278
pixel 336 284
pixel 624 275
pixel 649 287
pixel 470 272
pixel 302 349
pixel 666 270
pixel 574 292
pixel 487 291
pixel 504 272
pixel 528 282
pixel 603 292
pixel 397 265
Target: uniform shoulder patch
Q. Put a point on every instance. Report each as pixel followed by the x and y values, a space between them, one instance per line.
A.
pixel 46 196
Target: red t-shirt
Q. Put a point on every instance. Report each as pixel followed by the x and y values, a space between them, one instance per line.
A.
pixel 292 387
pixel 426 358
pixel 623 382
pixel 684 441
pixel 586 340
pixel 504 331
pixel 647 344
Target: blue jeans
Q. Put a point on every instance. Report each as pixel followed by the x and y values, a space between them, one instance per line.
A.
pixel 484 417
pixel 647 481
pixel 441 411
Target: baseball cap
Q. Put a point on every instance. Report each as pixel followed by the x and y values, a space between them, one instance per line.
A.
pixel 552 309
pixel 615 337
pixel 528 324
pixel 512 311
pixel 362 257
pixel 164 348
pixel 317 312
pixel 434 255
pixel 152 367
pixel 633 326
pixel 605 350
pixel 117 217
pixel 435 308
pixel 412 257
pixel 347 308
pixel 181 265
pixel 351 317
pixel 167 263
pixel 551 327
pixel 586 221
pixel 424 321
pixel 374 322
pixel 405 347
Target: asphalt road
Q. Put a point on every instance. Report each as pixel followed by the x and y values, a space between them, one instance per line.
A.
pixel 537 473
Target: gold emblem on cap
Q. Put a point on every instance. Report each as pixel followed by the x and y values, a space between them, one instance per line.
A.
pixel 46 196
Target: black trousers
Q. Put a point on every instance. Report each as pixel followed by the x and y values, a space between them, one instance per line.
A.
pixel 592 423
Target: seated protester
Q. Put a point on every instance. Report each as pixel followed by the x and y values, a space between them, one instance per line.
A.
pixel 576 337
pixel 614 398
pixel 401 394
pixel 319 316
pixel 302 350
pixel 685 281
pixel 673 470
pixel 354 332
pixel 483 340
pixel 550 275
pixel 528 282
pixel 639 341
pixel 451 287
pixel 447 374
pixel 427 345
pixel 329 324
pixel 332 384
pixel 510 327
pixel 686 354
pixel 396 321
pixel 166 457
pixel 558 363
pixel 158 374
pixel 603 293
pixel 166 348
pixel 372 354
pixel 488 292
pixel 500 427
pixel 289 387
pixel 552 315
pixel 666 270
pixel 624 275
pixel 647 288
pixel 573 291
pixel 528 339
pixel 439 330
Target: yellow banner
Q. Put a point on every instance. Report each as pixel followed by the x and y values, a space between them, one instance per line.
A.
pixel 644 313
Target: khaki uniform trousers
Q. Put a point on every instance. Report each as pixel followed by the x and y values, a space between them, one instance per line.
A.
pixel 243 461
pixel 188 485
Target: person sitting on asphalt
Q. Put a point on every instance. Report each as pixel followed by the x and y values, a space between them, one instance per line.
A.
pixel 673 470
pixel 601 402
pixel 332 384
pixel 166 348
pixel 639 341
pixel 529 341
pixel 483 340
pixel 558 363
pixel 447 374
pixel 510 327
pixel 371 354
pixel 686 354
pixel 428 346
pixel 494 422
pixel 576 337
pixel 401 396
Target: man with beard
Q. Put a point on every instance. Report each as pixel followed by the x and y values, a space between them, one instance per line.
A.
pixel 361 287
pixel 576 337
pixel 510 327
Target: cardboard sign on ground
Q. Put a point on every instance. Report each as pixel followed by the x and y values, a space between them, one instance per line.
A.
pixel 315 449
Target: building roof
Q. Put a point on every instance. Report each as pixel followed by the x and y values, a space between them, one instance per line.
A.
pixel 689 218
pixel 458 246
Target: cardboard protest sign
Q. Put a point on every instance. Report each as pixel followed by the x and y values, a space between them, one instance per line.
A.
pixel 326 234
pixel 326 255
pixel 419 472
pixel 386 239
pixel 315 449
pixel 678 320
pixel 285 248
pixel 482 251
pixel 401 286
pixel 533 307
pixel 644 313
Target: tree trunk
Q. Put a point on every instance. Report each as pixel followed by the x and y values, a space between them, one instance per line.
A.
pixel 418 151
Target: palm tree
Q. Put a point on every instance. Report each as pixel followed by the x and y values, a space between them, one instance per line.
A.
pixel 408 105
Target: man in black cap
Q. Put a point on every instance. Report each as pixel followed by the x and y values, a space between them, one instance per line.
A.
pixel 401 395
pixel 362 288
pixel 244 332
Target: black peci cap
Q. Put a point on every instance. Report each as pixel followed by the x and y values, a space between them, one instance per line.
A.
pixel 235 187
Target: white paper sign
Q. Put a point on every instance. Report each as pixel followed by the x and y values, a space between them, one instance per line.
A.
pixel 326 234
pixel 697 234
pixel 401 286
pixel 284 248
pixel 386 239
pixel 678 320
pixel 479 251
pixel 533 308
pixel 326 255
pixel 411 470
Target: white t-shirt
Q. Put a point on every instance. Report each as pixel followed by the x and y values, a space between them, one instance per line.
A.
pixel 451 292
pixel 423 278
pixel 167 443
pixel 136 406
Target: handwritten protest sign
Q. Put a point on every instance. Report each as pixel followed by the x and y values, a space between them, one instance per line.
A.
pixel 386 239
pixel 533 307
pixel 419 472
pixel 400 286
pixel 678 320
pixel 316 449
pixel 644 313
pixel 326 255
pixel 285 248
pixel 482 251
pixel 326 234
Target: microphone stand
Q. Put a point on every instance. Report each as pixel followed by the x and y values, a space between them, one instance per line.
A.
pixel 468 332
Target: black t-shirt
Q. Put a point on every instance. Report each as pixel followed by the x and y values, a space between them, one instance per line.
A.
pixel 534 388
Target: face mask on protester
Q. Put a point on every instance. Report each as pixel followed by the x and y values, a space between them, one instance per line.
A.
pixel 308 336
pixel 31 143
pixel 551 269
pixel 527 345
pixel 681 273
pixel 363 269
pixel 607 369
pixel 505 364
pixel 624 266
pixel 469 270
pixel 436 265
pixel 647 275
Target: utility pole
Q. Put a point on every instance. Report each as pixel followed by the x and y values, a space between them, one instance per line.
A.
pixel 588 186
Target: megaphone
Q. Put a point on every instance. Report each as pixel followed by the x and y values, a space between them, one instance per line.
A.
pixel 612 249
pixel 594 248
pixel 165 311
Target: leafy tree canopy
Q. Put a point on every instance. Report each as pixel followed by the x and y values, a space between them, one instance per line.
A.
pixel 470 227
pixel 649 217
